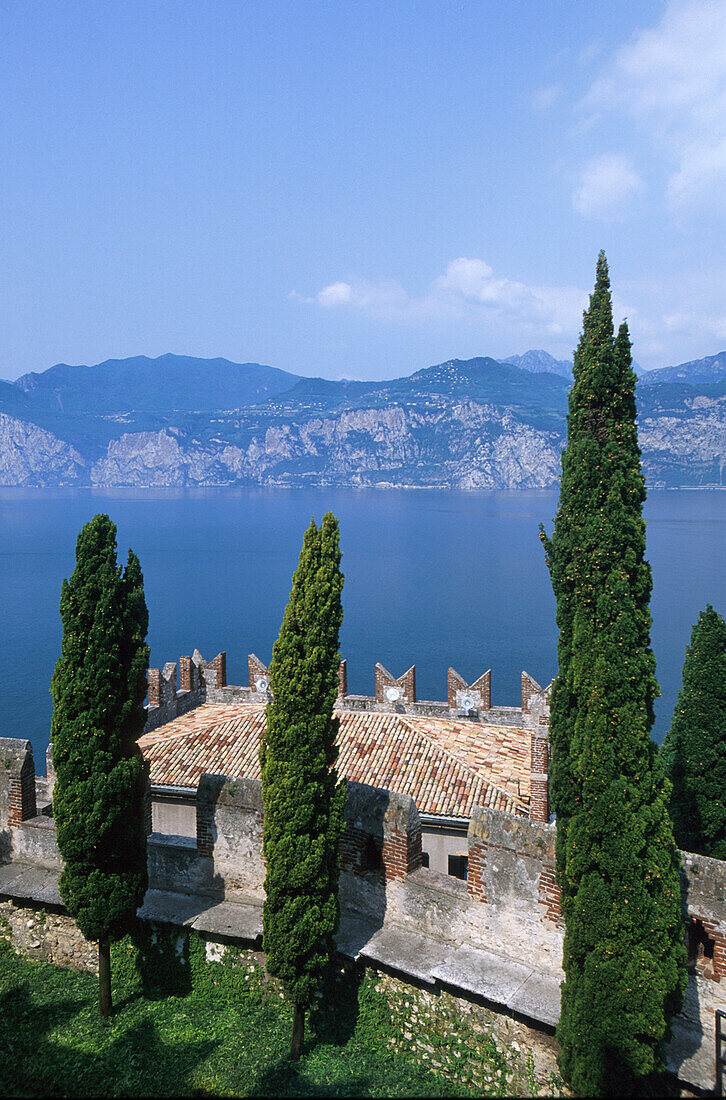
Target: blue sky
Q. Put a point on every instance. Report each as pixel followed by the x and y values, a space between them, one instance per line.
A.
pixel 358 189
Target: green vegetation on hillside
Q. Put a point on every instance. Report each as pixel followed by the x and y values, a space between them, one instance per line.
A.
pixel 193 1029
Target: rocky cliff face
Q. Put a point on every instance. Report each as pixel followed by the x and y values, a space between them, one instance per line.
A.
pixel 467 446
pixel 34 457
pixel 682 435
pixel 462 425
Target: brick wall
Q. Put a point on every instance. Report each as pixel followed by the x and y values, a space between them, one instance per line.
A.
pixel 354 850
pixel 402 852
pixel 17 781
pixel 215 672
pixel 476 882
pixel 384 822
pixel 548 898
pixel 539 808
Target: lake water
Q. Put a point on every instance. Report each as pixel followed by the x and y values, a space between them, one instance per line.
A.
pixel 432 578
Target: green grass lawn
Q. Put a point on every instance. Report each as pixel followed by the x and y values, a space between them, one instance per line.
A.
pixel 190 1028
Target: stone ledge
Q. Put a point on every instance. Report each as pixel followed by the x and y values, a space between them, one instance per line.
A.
pixel 502 981
pixel 172 840
pixel 239 920
pixel 30 882
pixel 438 880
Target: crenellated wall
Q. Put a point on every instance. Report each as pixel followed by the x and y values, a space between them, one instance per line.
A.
pixel 197 680
pixel 201 681
pixel 498 936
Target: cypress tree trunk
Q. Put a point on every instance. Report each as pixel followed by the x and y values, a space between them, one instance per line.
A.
pixel 298 1032
pixel 105 1005
pixel 617 864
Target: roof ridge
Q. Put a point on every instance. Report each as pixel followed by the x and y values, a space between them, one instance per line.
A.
pixel 517 799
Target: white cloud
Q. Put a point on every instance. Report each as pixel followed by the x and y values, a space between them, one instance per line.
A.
pixel 671 79
pixel 673 317
pixel 471 283
pixel 385 298
pixel 468 289
pixel 607 184
pixel 337 294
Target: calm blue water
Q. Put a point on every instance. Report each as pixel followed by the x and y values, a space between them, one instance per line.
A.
pixel 432 578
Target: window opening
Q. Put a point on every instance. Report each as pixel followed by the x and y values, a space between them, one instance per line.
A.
pixel 700 948
pixel 459 866
pixel 373 854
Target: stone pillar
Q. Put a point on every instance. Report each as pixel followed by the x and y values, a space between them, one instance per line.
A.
pixel 154 680
pixel 17 774
pixel 530 688
pixel 185 674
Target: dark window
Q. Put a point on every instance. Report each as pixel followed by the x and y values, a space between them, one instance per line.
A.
pixel 424 859
pixel 700 948
pixel 459 866
pixel 373 854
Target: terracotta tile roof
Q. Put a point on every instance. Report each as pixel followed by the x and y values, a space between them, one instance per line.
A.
pixel 447 767
pixel 501 753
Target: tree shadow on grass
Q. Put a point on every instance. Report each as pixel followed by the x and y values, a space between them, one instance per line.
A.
pixel 286 1078
pixel 136 1062
pixel 162 961
pixel 333 1018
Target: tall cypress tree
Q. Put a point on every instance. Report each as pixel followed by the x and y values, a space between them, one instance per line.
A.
pixel 303 801
pixel 694 750
pixel 98 690
pixel 617 864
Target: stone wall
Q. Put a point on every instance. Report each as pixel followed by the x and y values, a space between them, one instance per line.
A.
pixel 509 906
pixel 468 1042
pixel 229 832
pixel 454 1036
pixel 50 935
pixel 512 867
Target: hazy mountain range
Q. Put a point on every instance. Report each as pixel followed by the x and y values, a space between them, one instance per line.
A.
pixel 479 423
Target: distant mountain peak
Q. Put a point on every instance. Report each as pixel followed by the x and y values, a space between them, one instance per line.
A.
pixel 538 361
pixel 697 372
